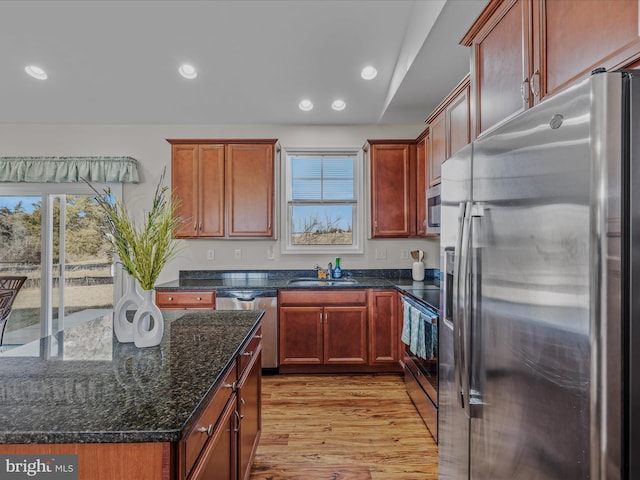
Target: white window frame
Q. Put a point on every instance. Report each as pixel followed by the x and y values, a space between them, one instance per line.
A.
pixel 48 192
pixel 286 247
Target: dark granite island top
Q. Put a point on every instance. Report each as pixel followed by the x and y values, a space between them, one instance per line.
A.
pixel 82 386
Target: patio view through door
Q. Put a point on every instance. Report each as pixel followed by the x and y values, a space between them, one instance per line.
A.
pixel 55 240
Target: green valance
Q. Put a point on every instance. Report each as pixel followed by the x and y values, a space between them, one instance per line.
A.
pixel 69 169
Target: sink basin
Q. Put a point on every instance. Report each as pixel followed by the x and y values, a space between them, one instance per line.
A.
pixel 320 282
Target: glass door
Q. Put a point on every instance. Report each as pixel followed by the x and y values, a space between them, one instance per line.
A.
pixel 56 241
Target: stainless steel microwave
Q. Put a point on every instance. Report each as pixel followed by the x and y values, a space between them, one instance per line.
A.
pixel 433 210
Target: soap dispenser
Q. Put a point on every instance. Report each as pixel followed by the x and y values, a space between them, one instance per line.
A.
pixel 337 271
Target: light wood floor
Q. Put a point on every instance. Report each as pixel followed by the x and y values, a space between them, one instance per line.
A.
pixel 342 427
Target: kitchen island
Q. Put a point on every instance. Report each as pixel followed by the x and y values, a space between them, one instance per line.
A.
pixel 137 413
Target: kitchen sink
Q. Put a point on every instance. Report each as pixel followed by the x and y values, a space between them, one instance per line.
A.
pixel 322 282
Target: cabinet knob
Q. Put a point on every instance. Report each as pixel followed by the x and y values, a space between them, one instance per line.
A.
pixel 534 83
pixel 198 298
pixel 524 91
pixel 208 430
pixel 170 299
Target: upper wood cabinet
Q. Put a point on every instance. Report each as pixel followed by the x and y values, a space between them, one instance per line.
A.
pixel 392 170
pixel 449 129
pixel 197 180
pixel 422 166
pixel 225 187
pixel 522 51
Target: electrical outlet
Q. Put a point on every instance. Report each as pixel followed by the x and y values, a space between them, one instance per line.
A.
pixel 381 253
pixel 211 254
pixel 237 254
pixel 404 254
pixel 271 253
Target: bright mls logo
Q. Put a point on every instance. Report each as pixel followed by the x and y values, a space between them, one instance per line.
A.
pixel 57 467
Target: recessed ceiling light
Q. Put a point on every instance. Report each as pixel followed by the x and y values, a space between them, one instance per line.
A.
pixel 36 72
pixel 305 105
pixel 338 105
pixel 369 73
pixel 188 71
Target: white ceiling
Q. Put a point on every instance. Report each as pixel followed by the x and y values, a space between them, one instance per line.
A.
pixel 115 62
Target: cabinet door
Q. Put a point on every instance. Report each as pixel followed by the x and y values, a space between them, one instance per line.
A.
pixel 501 54
pixel 300 336
pixel 218 459
pixel 249 408
pixel 345 335
pixel 457 115
pixel 421 185
pixel 391 178
pixel 184 181
pixel 437 148
pixel 576 36
pixel 383 321
pixel 250 190
pixel 211 191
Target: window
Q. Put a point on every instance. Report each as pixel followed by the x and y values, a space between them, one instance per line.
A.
pixel 322 202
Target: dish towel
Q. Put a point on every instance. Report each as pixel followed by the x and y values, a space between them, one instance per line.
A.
pixel 406 323
pixel 431 336
pixel 417 332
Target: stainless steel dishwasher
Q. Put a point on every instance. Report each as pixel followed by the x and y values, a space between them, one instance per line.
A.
pixel 257 299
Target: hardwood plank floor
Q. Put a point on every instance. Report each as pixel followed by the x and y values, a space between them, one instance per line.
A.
pixel 342 427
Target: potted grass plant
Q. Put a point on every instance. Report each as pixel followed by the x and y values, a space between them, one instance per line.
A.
pixel 144 248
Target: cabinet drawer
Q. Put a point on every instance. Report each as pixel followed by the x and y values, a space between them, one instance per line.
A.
pixel 197 437
pixel 179 299
pixel 249 351
pixel 322 297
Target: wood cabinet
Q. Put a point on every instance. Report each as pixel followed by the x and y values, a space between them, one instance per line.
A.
pixel 222 442
pixel 320 327
pixel 225 188
pixel 522 51
pixel 186 299
pixel 197 179
pixel 422 182
pixel 338 331
pixel 201 447
pixel 249 406
pixel 218 457
pixel 392 171
pixel 449 129
pixel 384 340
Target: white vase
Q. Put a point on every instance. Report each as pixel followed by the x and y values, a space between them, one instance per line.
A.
pixel 131 300
pixel 148 323
pixel 418 271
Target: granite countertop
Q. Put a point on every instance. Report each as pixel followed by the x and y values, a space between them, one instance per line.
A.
pixel 270 281
pixel 83 386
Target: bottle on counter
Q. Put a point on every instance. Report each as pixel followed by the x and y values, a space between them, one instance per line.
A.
pixel 337 271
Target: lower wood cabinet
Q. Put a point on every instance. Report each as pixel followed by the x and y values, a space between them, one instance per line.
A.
pixel 223 441
pixel 383 320
pixel 186 299
pixel 338 331
pixel 249 410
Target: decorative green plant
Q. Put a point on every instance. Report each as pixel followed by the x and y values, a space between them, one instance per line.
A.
pixel 144 248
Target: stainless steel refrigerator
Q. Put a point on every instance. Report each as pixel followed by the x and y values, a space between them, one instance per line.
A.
pixel 540 227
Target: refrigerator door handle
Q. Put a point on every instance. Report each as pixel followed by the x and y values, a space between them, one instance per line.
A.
pixel 456 314
pixel 474 390
pixel 465 305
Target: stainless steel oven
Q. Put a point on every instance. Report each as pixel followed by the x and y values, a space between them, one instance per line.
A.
pixel 433 210
pixel 421 360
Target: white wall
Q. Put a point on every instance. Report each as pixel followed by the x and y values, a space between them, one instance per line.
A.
pixel 147 144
